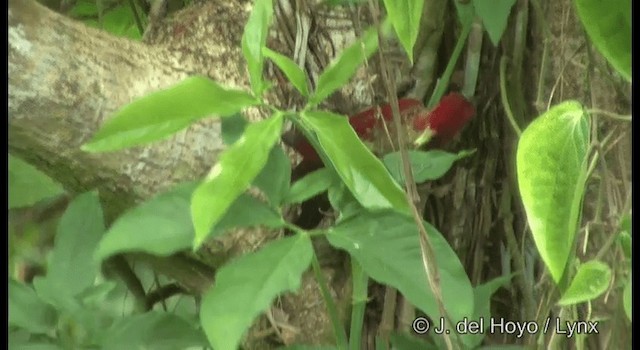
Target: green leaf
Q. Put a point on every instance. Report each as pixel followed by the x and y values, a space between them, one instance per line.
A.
pixel 624 237
pixel 153 330
pixel 163 113
pixel 54 294
pixel 95 295
pixel 71 267
pixel 465 12
pixel 482 308
pixel 494 15
pixel 551 167
pixel 120 21
pixel 232 128
pixel 429 165
pixel 387 246
pixel 83 8
pixel 246 286
pixel 27 311
pixel 591 280
pixel 345 66
pixel 294 73
pixel 405 17
pixel 232 175
pixel 254 39
pixel 28 185
pixel 608 24
pixel 310 185
pixel 162 225
pixel 626 299
pixel 343 201
pixel 274 178
pixel 361 171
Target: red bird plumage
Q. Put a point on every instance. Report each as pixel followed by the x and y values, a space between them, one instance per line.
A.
pixel 443 123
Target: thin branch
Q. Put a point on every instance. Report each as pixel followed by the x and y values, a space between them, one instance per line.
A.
pixel 428 256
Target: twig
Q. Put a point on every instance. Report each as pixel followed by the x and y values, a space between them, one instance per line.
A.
pixel 163 293
pixel 428 256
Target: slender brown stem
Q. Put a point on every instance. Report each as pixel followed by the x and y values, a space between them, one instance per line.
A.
pixel 428 256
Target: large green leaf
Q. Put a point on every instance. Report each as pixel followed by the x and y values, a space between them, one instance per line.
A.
pixel 71 267
pixel 494 15
pixel 27 311
pixel 591 280
pixel 345 66
pixel 405 17
pixel 245 287
pixel 232 175
pixel 551 168
pixel 162 226
pixel 608 24
pixel 361 171
pixel 254 40
pixel 387 246
pixel 163 113
pixel 295 74
pixel 425 165
pixel 152 330
pixel 28 185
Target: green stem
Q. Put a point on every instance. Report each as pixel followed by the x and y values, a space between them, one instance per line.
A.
pixel 338 329
pixel 443 82
pixel 505 98
pixel 612 115
pixel 360 284
pixel 471 68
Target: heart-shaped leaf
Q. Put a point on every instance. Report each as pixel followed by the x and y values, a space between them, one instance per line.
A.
pixel 552 167
pixel 591 280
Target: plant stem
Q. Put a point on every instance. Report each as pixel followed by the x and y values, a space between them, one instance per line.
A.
pixel 505 98
pixel 443 82
pixel 472 65
pixel 359 293
pixel 338 329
